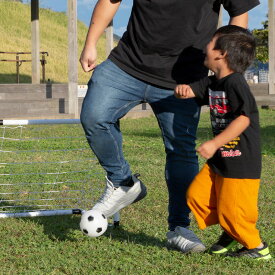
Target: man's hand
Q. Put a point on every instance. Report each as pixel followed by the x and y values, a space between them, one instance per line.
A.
pixel 207 149
pixel 183 91
pixel 88 59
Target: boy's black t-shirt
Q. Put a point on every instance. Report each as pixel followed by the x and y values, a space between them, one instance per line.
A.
pixel 229 98
pixel 165 39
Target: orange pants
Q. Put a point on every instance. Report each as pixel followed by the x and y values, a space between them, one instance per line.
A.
pixel 232 203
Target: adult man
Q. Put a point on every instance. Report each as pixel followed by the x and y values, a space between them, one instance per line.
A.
pixel 163 46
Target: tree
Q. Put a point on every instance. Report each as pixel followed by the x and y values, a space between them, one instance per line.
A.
pixel 261 36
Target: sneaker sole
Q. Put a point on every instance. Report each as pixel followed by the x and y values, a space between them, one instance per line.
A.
pixel 266 257
pixel 223 250
pixel 196 249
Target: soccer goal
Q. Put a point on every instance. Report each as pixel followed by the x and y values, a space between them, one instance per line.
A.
pixel 47 168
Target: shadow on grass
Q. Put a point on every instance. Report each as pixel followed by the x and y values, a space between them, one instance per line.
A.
pixel 143 133
pixel 121 235
pixel 60 228
pixel 12 78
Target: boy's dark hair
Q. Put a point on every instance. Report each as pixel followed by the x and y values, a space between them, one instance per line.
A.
pixel 239 44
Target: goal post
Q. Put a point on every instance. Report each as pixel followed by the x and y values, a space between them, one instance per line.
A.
pixel 21 122
pixel 47 168
pixel 39 213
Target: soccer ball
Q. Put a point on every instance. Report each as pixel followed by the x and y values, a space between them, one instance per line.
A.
pixel 93 223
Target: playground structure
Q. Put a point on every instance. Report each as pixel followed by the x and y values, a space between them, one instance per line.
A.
pixel 19 62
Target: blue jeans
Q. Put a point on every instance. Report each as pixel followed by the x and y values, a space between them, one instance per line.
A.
pixel 111 94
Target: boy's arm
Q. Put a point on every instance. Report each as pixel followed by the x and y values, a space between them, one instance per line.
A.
pixel 198 89
pixel 183 91
pixel 103 13
pixel 234 129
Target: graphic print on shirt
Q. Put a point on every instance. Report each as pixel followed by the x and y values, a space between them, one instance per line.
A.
pixel 221 116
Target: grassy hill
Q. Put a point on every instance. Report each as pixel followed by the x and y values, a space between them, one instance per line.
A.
pixel 15 33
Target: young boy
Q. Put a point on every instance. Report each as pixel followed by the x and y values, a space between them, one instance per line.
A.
pixel 225 191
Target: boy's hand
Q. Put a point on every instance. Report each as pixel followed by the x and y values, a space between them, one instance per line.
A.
pixel 183 91
pixel 207 149
pixel 233 130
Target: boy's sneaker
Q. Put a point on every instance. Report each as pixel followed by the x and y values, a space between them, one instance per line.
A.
pixel 115 198
pixel 184 240
pixel 223 245
pixel 256 253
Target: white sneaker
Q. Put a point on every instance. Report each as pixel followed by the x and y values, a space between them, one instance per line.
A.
pixel 184 240
pixel 115 198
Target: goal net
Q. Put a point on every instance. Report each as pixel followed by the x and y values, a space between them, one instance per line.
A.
pixel 46 168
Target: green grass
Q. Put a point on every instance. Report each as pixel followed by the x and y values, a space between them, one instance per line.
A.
pixel 15 33
pixel 55 245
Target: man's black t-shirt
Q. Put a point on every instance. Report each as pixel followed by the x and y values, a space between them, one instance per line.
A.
pixel 165 39
pixel 229 98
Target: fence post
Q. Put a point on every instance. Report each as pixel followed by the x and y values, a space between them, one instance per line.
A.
pixel 35 42
pixel 17 68
pixel 220 17
pixel 109 38
pixel 43 63
pixel 72 57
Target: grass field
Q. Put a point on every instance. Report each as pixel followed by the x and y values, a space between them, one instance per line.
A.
pixel 55 245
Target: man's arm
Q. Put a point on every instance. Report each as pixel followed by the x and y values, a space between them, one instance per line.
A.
pixel 103 13
pixel 240 20
pixel 234 129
